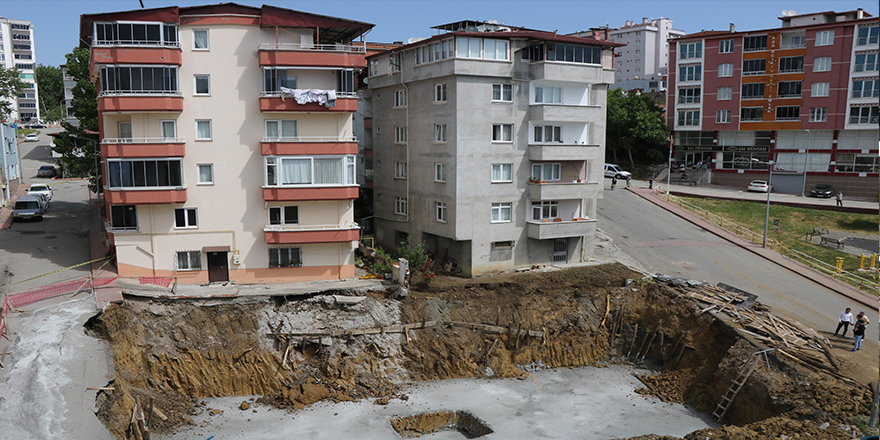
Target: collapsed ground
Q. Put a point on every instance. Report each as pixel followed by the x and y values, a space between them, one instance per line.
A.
pixel 169 353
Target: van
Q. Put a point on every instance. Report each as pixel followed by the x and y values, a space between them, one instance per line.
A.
pixel 29 206
pixel 612 170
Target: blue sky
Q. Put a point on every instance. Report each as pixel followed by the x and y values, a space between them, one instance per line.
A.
pixel 57 21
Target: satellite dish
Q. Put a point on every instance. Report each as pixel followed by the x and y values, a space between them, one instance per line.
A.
pixel 792 13
pixel 785 13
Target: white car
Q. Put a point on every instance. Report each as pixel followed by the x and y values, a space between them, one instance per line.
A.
pixel 615 171
pixel 32 137
pixel 41 189
pixel 759 186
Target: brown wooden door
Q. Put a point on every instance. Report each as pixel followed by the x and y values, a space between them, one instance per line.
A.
pixel 218 267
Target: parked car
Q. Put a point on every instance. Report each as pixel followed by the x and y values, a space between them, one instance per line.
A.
pixel 41 189
pixel 47 171
pixel 823 190
pixel 612 170
pixel 32 137
pixel 29 206
pixel 760 186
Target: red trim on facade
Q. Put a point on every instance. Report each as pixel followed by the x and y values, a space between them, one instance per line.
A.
pixel 290 105
pixel 141 104
pixel 311 58
pixel 305 194
pixel 220 19
pixel 176 149
pixel 297 237
pixel 136 55
pixel 145 197
pixel 307 148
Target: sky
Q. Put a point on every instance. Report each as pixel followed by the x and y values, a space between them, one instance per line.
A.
pixel 56 22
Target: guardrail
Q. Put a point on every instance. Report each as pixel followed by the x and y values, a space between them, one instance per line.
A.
pixel 104 93
pixel 302 228
pixel 311 139
pixel 136 43
pixel 155 140
pixel 312 47
pixel 339 95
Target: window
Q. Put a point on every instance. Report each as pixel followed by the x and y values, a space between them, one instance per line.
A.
pixel 283 215
pixel 440 212
pixel 139 79
pixel 788 113
pixel 400 135
pixel 754 67
pixel 148 173
pixel 548 95
pixel 547 171
pixel 856 163
pixel 300 170
pixel 819 89
pixel 206 174
pixel 123 217
pixel 753 91
pixel 690 73
pixel 203 130
pixel 548 133
pixel 202 84
pixel 394 59
pixel 502 132
pixel 122 33
pixel 545 210
pixel 276 77
pixel 501 212
pixel 722 116
pixel 440 133
pixel 824 38
pixel 169 130
pixel 495 49
pixel 401 206
pixel 725 70
pixel 200 39
pixel 502 92
pixel 751 44
pixel 866 88
pixel 725 93
pixel 690 50
pixel 868 35
pixel 437 51
pixel 185 218
pixel 285 257
pixel 689 118
pixel 189 260
pixel 789 89
pixel 281 130
pixel 440 172
pixel 502 172
pixel 822 64
pixel 468 47
pixel 819 114
pixel 400 98
pixel 725 46
pixel 863 115
pixel 400 170
pixel 866 62
pixel 791 64
pixel 575 53
pixel 374 67
pixel 440 93
pixel 125 131
pixel 751 114
pixel 689 96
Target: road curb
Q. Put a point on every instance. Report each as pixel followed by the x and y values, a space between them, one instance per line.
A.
pixel 768 254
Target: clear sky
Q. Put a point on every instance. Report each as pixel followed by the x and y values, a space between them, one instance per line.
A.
pixel 56 22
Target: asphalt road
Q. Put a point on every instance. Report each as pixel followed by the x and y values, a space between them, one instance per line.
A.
pixel 664 243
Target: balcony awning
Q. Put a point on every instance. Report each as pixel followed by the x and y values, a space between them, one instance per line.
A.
pixel 215 249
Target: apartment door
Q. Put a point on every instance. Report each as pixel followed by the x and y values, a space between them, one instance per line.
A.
pixel 560 250
pixel 218 266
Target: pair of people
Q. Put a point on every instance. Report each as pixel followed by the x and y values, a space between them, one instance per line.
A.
pixel 859 323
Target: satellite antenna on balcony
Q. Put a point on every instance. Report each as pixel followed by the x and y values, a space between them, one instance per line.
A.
pixel 788 13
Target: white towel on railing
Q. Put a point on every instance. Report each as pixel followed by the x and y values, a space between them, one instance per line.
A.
pixel 326 98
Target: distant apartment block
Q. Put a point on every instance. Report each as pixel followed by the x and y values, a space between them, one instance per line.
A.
pixel 17 52
pixel 644 62
pixel 69 84
pixel 803 96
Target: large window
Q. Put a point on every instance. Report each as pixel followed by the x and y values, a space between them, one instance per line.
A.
pixel 751 114
pixel 123 217
pixel 819 114
pixel 725 93
pixel 866 88
pixel 866 62
pixel 788 113
pixel 285 257
pixel 502 172
pixel 753 91
pixel 401 206
pixel 688 118
pixel 690 50
pixel 825 38
pixel 545 210
pixel 189 260
pixel 751 44
pixel 863 115
pixel 791 64
pixel 139 79
pixel 855 163
pixel 148 173
pixel 725 70
pixel 548 133
pixel 789 89
pixel 502 132
pixel 725 46
pixel 136 34
pixel 689 96
pixel 281 130
pixel 501 212
pixel 548 95
pixel 868 35
pixel 690 73
pixel 276 78
pixel 468 47
pixel 820 89
pixel 319 170
pixel 574 53
pixel 547 171
pixel 754 67
pixel 502 92
pixel 436 51
pixel 822 64
pixel 185 218
pixel 283 215
pixel 496 49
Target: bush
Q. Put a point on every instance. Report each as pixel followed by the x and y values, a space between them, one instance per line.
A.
pixel 419 263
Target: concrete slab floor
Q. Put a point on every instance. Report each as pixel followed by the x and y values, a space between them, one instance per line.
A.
pixel 552 404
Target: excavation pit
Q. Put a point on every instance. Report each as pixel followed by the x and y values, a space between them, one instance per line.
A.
pixel 428 423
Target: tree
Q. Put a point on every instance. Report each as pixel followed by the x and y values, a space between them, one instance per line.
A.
pixel 10 88
pixel 78 146
pixel 51 87
pixel 635 125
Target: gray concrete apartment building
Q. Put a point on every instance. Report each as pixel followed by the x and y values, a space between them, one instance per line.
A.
pixel 489 144
pixel 644 62
pixel 17 51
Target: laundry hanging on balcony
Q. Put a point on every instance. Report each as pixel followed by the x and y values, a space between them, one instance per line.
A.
pixel 327 98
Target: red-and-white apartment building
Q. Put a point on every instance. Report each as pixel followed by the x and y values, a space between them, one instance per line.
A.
pixel 211 172
pixel 804 96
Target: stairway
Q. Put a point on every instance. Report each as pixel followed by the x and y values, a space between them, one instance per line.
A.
pixel 736 385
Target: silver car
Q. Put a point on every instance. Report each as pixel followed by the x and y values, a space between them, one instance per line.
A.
pixel 30 206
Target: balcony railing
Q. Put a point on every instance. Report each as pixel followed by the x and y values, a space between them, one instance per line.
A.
pixel 754 72
pixel 795 70
pixel 110 228
pixel 789 95
pixel 104 93
pixel 339 95
pixel 311 139
pixel 153 140
pixel 106 43
pixel 305 228
pixel 313 47
pixel 799 45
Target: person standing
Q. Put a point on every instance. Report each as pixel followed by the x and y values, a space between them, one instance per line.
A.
pixel 844 320
pixel 629 180
pixel 840 199
pixel 859 332
pixel 651 181
pixel 613 183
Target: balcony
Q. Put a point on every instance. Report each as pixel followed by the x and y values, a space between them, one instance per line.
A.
pixel 299 234
pixel 136 55
pixel 142 147
pixel 562 152
pixel 119 196
pixel 139 101
pixel 565 113
pixel 281 194
pixel 554 71
pixel 309 145
pixel 563 190
pixel 548 230
pixel 313 55
pixel 273 102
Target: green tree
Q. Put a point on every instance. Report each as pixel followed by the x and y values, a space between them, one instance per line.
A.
pixel 51 87
pixel 635 125
pixel 78 145
pixel 10 88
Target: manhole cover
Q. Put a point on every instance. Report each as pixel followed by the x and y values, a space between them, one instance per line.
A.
pixel 427 423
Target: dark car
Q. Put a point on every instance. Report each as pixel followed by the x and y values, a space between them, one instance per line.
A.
pixel 46 171
pixel 822 190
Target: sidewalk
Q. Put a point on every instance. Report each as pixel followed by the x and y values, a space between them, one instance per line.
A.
pixel 110 293
pixel 766 253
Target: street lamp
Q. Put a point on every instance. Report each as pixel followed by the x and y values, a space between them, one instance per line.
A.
pixel 769 188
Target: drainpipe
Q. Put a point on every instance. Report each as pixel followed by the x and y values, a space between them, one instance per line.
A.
pixel 406 125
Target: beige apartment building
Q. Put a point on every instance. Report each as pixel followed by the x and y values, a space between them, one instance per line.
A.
pixel 227 141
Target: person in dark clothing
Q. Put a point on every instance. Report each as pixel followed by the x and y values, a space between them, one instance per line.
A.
pixel 651 181
pixel 859 333
pixel 613 183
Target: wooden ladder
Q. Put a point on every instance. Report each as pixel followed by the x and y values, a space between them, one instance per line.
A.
pixel 736 385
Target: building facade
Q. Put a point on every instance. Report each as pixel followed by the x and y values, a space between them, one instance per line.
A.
pixel 10 173
pixel 69 84
pixel 644 62
pixel 489 145
pixel 803 97
pixel 17 51
pixel 227 144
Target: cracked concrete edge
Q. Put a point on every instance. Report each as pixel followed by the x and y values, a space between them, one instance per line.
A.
pixel 805 271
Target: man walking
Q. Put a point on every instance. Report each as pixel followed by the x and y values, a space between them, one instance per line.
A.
pixel 613 183
pixel 651 181
pixel 844 321
pixel 840 199
pixel 859 332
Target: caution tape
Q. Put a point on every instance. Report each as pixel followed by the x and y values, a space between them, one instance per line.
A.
pixel 62 270
pixel 48 214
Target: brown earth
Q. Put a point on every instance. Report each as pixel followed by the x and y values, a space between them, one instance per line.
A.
pixel 175 352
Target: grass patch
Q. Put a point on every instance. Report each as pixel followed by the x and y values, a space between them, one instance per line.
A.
pixel 22 132
pixel 794 224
